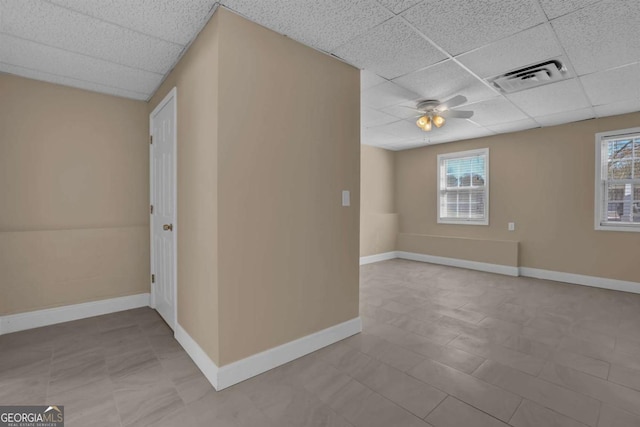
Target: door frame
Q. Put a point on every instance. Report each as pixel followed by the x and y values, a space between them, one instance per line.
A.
pixel 172 96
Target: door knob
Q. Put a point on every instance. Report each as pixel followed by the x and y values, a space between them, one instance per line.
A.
pixel 167 227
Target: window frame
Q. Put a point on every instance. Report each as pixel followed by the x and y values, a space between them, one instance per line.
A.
pixel 439 192
pixel 599 224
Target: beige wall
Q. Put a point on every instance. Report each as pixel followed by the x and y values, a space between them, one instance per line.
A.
pixel 378 217
pixel 196 79
pixel 289 143
pixel 266 253
pixel 74 196
pixel 541 179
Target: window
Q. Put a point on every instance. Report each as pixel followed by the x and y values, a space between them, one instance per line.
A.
pixel 463 187
pixel 618 180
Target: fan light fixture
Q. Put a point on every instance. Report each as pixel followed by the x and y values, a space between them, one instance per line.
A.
pixel 425 122
pixel 433 112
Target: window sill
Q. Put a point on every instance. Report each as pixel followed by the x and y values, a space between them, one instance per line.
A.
pixel 629 228
pixel 453 222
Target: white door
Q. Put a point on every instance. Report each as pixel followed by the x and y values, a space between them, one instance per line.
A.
pixel 163 208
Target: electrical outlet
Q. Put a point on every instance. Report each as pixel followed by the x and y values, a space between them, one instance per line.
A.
pixel 512 226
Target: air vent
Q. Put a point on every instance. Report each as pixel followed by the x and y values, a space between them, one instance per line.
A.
pixel 534 75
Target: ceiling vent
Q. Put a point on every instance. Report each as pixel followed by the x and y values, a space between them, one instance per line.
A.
pixel 546 72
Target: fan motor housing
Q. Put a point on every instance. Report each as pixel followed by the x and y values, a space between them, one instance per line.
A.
pixel 428 105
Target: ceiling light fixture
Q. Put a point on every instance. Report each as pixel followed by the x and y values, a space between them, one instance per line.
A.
pixel 433 112
pixel 438 120
pixel 425 122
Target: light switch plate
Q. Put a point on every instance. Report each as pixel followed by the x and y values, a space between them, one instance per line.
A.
pixel 512 226
pixel 346 198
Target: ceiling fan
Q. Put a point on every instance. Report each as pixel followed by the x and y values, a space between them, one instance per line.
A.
pixel 433 112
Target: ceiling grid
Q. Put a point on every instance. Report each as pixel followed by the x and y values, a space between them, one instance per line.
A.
pixel 409 50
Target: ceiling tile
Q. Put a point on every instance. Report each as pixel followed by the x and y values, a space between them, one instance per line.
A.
pixel 614 85
pixel 173 20
pixel 555 8
pixel 404 110
pixel 453 130
pixel 35 56
pixel 59 27
pixel 408 145
pixel 566 117
pixel 601 36
pixel 377 137
pixel 525 48
pixel 515 126
pixel 624 107
pixel 385 95
pixel 369 79
pixel 390 50
pixel 493 111
pixel 401 129
pixel 445 80
pixel 459 128
pixel 371 117
pixel 324 25
pixel 66 81
pixel 398 6
pixel 549 99
pixel 461 25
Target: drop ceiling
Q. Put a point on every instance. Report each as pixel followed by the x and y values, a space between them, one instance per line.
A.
pixel 408 50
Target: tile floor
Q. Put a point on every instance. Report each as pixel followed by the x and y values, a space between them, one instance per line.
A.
pixel 441 347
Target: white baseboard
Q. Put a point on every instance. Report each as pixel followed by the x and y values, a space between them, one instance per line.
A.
pixel 462 263
pixel 233 373
pixel 576 279
pixel 579 279
pixel 378 257
pixel 67 313
pixel 258 363
pixel 198 355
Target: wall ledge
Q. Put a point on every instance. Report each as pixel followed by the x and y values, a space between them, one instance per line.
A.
pixel 579 279
pixel 536 273
pixel 461 263
pixel 51 316
pixel 233 373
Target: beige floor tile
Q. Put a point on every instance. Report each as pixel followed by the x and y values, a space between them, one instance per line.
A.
pixel 411 394
pixel 614 417
pixel 501 324
pixel 344 357
pixel 531 414
pixel 149 406
pixel 586 364
pixel 528 346
pixel 349 400
pixel 627 346
pixel 482 395
pixel 562 400
pixel 598 388
pixel 127 369
pixel 454 413
pixel 450 356
pixel 431 331
pixel 376 411
pixel 91 404
pixel 586 348
pixel 489 350
pixel 625 376
pixel 392 354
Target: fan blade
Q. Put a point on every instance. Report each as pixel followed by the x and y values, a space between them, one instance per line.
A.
pixel 453 102
pixel 455 114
